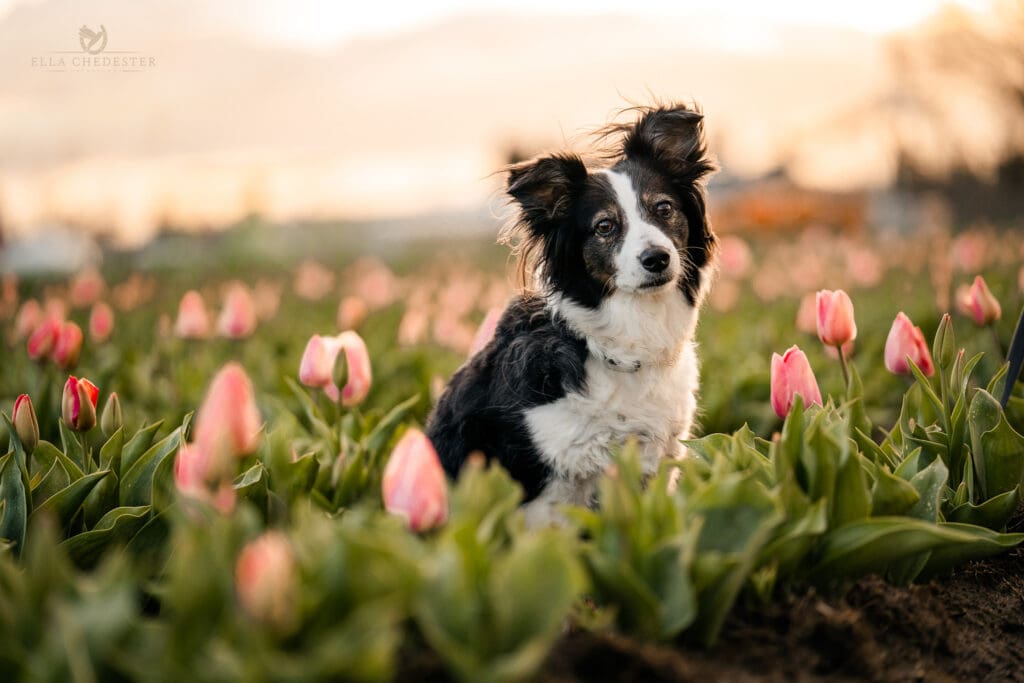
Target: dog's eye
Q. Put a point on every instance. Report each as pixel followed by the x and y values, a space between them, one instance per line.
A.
pixel 604 227
pixel 664 209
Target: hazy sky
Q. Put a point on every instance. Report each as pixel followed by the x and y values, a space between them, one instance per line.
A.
pixel 320 23
pixel 322 108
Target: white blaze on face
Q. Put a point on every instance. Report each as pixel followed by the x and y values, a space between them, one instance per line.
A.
pixel 639 236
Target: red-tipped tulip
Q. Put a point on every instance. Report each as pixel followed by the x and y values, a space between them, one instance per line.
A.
pixel 485 333
pixel 101 322
pixel 836 325
pixel 978 303
pixel 414 484
pixel 267 581
pixel 905 340
pixel 44 338
pixel 228 418
pixel 238 317
pixel 193 319
pixel 25 423
pixel 68 347
pixel 78 404
pixel 792 375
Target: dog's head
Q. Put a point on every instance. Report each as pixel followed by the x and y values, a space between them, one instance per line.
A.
pixel 638 226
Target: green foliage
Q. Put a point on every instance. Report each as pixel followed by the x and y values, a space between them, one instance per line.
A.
pixel 108 573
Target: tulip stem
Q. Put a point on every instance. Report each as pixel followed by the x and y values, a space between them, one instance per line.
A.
pixel 842 364
pixel 86 457
pixel 999 345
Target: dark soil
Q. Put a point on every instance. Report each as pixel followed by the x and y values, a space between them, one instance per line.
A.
pixel 966 627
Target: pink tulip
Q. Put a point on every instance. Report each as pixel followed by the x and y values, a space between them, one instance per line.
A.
pixel 228 419
pixel 68 347
pixel 791 375
pixel 78 404
pixel 196 477
pixel 30 315
pixel 807 314
pixel 414 484
pixel 238 317
pixel 978 303
pixel 193 320
pixel 351 313
pixel 734 257
pixel 266 579
pixel 317 367
pixel 836 325
pixel 101 322
pixel 905 341
pixel 485 333
pixel 360 376
pixel 313 281
pixel 86 288
pixel 44 338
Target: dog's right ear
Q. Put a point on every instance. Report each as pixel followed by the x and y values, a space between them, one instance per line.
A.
pixel 543 187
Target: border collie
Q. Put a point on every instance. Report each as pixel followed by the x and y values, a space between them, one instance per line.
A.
pixel 603 351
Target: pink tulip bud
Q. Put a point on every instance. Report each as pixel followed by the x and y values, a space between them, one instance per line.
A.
pixel 193 320
pixel 101 322
pixel 792 375
pixel 86 288
pixel 734 256
pixel 360 376
pixel 228 418
pixel 351 313
pixel 266 579
pixel 68 347
pixel 317 367
pixel 30 315
pixel 25 423
pixel 44 338
pixel 485 333
pixel 978 303
pixel 807 314
pixel 836 325
pixel 238 317
pixel 195 477
pixel 905 341
pixel 78 404
pixel 414 484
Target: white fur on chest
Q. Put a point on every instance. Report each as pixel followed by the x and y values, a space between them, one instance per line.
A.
pixel 653 403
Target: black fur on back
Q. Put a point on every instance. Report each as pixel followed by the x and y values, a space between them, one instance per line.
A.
pixel 533 359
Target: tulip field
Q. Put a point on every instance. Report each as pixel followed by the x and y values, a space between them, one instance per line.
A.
pixel 219 473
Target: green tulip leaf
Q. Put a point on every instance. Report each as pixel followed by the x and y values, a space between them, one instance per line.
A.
pixel 64 504
pixel 137 482
pixel 14 501
pixel 115 528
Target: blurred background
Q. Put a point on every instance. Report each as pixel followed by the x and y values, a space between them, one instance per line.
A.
pixel 318 152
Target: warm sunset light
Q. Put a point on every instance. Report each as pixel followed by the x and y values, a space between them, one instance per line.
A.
pixel 305 110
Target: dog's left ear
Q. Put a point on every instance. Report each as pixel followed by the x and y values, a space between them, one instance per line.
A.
pixel 673 138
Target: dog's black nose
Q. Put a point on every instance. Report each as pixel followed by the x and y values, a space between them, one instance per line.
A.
pixel 654 259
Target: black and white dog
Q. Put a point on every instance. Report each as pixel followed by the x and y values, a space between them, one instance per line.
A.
pixel 604 350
